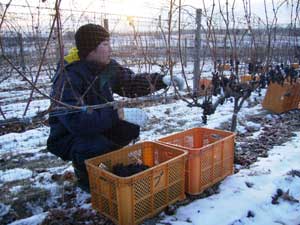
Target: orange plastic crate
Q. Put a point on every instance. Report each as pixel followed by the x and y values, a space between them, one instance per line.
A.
pixel 296 95
pixel 130 200
pixel 245 78
pixel 226 66
pixel 295 65
pixel 282 98
pixel 211 155
pixel 206 83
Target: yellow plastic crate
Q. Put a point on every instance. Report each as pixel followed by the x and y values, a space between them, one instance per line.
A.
pixel 130 200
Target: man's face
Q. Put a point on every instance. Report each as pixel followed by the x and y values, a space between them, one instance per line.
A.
pixel 101 54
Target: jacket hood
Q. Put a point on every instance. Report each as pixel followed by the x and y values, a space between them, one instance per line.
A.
pixel 72 56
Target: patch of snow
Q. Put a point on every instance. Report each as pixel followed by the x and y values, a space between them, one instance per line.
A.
pixel 16 189
pixel 39 155
pixel 256 134
pixel 28 141
pixel 14 174
pixel 236 199
pixel 16 110
pixel 33 220
pixel 241 129
pixel 253 125
pixel 82 197
pixel 4 209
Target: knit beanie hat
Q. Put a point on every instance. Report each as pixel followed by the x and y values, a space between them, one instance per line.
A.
pixel 88 37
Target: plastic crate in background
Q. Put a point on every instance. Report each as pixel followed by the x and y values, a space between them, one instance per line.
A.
pixel 295 65
pixel 245 78
pixel 210 159
pixel 130 200
pixel 296 95
pixel 226 66
pixel 205 83
pixel 282 98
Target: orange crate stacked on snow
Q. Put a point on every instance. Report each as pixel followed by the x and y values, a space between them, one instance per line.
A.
pixel 210 158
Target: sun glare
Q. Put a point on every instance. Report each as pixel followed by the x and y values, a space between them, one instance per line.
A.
pixel 131 8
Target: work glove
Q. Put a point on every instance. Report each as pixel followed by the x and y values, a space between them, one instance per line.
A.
pixel 133 115
pixel 178 81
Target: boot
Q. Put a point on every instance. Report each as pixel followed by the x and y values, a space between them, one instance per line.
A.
pixel 82 179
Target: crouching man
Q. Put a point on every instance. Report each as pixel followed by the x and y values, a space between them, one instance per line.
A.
pixel 90 77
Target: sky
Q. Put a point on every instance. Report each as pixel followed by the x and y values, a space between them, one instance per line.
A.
pixel 150 8
pixel 147 8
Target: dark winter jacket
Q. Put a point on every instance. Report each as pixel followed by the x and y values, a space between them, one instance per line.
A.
pixel 84 83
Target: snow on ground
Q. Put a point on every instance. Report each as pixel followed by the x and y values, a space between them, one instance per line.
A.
pixel 17 110
pixel 244 198
pixel 236 200
pixel 178 117
pixel 250 191
pixel 10 97
pixel 28 141
pixel 15 81
pixel 34 220
pixel 14 174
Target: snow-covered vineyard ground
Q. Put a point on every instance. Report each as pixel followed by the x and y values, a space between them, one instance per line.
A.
pixel 38 188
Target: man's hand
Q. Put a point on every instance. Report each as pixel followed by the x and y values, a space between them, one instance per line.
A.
pixel 178 81
pixel 136 116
